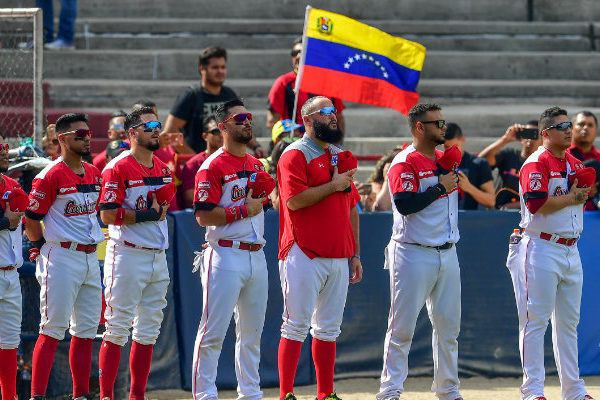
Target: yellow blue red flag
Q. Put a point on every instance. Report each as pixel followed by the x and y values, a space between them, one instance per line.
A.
pixel 353 61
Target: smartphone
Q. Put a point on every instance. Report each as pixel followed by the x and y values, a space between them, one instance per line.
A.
pixel 527 133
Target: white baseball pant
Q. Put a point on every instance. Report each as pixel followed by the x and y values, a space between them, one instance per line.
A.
pixel 70 292
pixel 10 309
pixel 314 295
pixel 547 279
pixel 233 281
pixel 136 282
pixel 419 276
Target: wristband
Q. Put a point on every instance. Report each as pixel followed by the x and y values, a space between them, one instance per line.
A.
pixel 120 217
pixel 243 211
pixel 4 223
pixel 149 215
pixel 356 256
pixel 236 213
pixel 39 243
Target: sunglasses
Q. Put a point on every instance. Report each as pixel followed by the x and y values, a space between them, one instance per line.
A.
pixel 563 126
pixel 294 53
pixel 4 146
pixel 325 111
pixel 149 126
pixel 240 118
pixel 440 123
pixel 215 131
pixel 80 133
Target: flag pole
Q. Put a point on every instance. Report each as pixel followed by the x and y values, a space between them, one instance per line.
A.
pixel 300 67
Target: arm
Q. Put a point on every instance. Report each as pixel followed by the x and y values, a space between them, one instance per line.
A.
pixel 217 216
pixel 33 229
pixel 315 194
pixel 11 219
pixel 188 198
pixel 484 194
pixel 156 212
pixel 355 264
pixel 554 203
pixel 489 153
pixel 412 202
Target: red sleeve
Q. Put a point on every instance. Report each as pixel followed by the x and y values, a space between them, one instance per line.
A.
pixel 41 197
pixel 292 174
pixel 277 96
pixel 207 189
pixel 402 178
pixel 100 160
pixel 534 183
pixel 113 189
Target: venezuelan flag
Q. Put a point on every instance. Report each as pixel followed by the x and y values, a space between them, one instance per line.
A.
pixel 353 61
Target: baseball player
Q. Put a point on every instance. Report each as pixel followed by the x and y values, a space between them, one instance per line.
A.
pixel 421 255
pixel 136 190
pixel 13 201
pixel 64 196
pixel 234 269
pixel 544 265
pixel 318 239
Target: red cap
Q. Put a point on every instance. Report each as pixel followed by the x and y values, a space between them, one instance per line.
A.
pixel 261 183
pixel 164 194
pixel 18 200
pixel 451 158
pixel 585 177
pixel 345 161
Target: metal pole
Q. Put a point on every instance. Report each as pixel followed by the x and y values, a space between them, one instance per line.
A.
pixel 38 84
pixel 299 74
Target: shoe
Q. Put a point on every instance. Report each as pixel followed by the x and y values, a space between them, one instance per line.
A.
pixel 289 396
pixel 59 44
pixel 332 396
pixel 26 45
pixel 84 397
pixel 38 397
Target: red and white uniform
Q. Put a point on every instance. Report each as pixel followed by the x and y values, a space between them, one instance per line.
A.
pixel 547 276
pixel 136 276
pixel 315 244
pixel 234 280
pixel 424 270
pixel 11 258
pixel 69 278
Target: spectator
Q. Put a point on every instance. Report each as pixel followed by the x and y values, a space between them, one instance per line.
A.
pixel 115 148
pixel 375 192
pixel 66 24
pixel 585 129
pixel 214 140
pixel 280 104
pixel 281 145
pixel 284 129
pixel 509 160
pixel 474 173
pixel 50 145
pixel 116 131
pixel 187 114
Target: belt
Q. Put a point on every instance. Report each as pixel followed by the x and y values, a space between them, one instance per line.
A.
pixel 126 243
pixel 445 246
pixel 86 248
pixel 240 245
pixel 9 268
pixel 555 238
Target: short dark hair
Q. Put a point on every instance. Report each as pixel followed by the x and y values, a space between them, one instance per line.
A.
pixel 587 113
pixel 377 174
pixel 118 113
pixel 307 107
pixel 207 121
pixel 453 131
pixel 548 116
pixel 143 103
pixel 416 113
pixel 211 52
pixel 533 122
pixel 222 112
pixel 63 123
pixel 135 117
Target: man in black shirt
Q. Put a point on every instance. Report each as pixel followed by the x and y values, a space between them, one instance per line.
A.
pixel 474 173
pixel 195 102
pixel 509 161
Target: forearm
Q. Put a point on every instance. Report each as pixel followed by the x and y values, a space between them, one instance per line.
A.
pixel 310 196
pixel 109 217
pixel 355 222
pixel 410 203
pixel 555 203
pixel 489 153
pixel 33 229
pixel 214 217
pixel 482 197
pixel 383 202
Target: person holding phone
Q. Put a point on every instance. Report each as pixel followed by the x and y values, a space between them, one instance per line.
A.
pixel 510 159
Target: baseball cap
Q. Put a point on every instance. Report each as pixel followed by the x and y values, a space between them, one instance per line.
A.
pixel 115 148
pixel 282 126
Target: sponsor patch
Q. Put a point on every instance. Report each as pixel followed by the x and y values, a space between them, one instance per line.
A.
pixel 204 185
pixel 38 193
pixel 535 184
pixel 111 185
pixel 553 173
pixel 535 175
pixel 34 204
pixel 407 175
pixel 202 195
pixel 407 186
pixel 67 189
pixel 110 196
pixel 167 179
pixel 334 160
pixel 135 182
pixel 425 173
pixel 230 177
pixel 166 171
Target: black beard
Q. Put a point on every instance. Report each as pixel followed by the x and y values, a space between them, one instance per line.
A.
pixel 240 138
pixel 439 140
pixel 325 133
pixel 82 152
pixel 153 146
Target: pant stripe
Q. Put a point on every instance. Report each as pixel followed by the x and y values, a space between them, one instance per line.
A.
pixel 387 347
pixel 46 284
pixel 112 280
pixel 205 325
pixel 526 311
pixel 287 311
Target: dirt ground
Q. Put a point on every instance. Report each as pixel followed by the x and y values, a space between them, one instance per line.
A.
pixel 416 389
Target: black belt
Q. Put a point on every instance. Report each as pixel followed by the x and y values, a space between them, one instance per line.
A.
pixel 445 246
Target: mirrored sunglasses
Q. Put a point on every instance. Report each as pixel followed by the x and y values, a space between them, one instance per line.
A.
pixel 80 133
pixel 563 126
pixel 440 123
pixel 149 126
pixel 325 111
pixel 240 118
pixel 118 127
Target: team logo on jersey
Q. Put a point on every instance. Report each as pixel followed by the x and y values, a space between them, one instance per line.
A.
pixel 407 186
pixel 141 203
pixel 34 204
pixel 237 193
pixel 535 175
pixel 110 196
pixel 535 184
pixel 578 166
pixel 407 175
pixel 38 193
pixel 67 189
pixel 166 171
pixel 559 191
pixel 73 209
pixel 98 179
pixel 334 160
pixel 204 185
pixel 7 194
pixel 259 167
pixel 202 195
pixel 111 185
pixel 229 178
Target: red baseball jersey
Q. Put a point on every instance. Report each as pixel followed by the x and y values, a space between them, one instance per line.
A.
pixel 128 184
pixel 11 252
pixel 437 223
pixel 221 182
pixel 544 175
pixel 67 203
pixel 323 229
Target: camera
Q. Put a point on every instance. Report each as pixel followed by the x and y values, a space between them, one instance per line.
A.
pixel 528 133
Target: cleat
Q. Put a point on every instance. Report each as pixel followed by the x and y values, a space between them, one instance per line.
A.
pixel 289 396
pixel 84 397
pixel 332 396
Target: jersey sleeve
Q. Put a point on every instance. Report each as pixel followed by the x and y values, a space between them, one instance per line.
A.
pixel 292 174
pixel 402 178
pixel 41 197
pixel 188 175
pixel 113 193
pixel 207 189
pixel 183 108
pixel 277 97
pixel 534 179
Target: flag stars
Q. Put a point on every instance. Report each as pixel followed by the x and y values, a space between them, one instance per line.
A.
pixel 347 65
pixel 350 60
pixel 357 57
pixel 365 57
